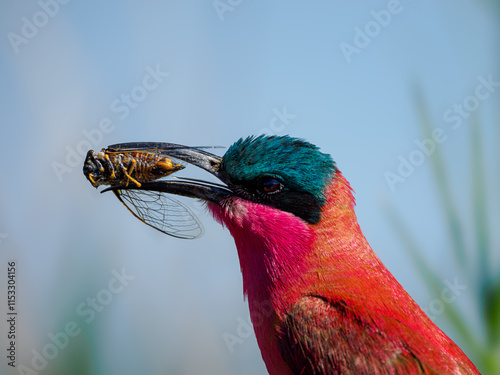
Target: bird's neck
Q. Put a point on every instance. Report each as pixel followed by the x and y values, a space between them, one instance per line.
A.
pixel 279 251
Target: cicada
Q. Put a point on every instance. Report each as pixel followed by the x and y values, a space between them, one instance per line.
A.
pixel 128 168
pixel 113 167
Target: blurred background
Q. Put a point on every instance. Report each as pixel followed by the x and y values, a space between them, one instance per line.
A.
pixel 403 94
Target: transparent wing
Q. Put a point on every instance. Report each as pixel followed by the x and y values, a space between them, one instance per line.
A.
pixel 162 212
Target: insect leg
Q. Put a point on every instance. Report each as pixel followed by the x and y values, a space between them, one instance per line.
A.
pixel 131 169
pixel 91 178
pixel 110 166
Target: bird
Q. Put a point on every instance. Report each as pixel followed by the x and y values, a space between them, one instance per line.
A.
pixel 320 299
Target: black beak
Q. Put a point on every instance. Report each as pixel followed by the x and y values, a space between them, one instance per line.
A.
pixel 188 187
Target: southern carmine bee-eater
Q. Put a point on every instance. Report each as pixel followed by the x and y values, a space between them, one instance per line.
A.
pixel 320 299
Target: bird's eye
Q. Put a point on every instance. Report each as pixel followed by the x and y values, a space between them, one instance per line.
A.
pixel 271 185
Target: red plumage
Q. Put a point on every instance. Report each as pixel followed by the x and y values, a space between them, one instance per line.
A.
pixel 322 302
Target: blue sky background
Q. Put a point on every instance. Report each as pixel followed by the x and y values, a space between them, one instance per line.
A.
pixel 228 75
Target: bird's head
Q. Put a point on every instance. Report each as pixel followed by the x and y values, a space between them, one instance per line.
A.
pixel 286 173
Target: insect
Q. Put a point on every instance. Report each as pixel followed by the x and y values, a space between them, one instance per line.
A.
pixel 113 167
pixel 128 168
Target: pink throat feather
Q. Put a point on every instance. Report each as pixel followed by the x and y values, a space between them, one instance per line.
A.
pixel 271 244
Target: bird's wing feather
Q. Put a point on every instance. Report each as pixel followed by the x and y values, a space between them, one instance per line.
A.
pixel 319 337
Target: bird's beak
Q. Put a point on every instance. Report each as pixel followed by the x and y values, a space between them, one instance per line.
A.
pixel 188 187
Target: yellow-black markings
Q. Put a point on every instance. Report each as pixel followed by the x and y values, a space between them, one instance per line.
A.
pixel 115 168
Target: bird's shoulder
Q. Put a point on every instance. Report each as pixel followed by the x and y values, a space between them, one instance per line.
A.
pixel 318 336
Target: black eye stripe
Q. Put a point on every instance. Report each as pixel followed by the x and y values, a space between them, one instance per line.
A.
pixel 299 203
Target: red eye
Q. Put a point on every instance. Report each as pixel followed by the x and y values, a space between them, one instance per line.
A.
pixel 271 185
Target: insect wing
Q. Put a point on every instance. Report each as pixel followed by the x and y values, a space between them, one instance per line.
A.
pixel 144 146
pixel 162 212
pixel 157 147
pixel 170 150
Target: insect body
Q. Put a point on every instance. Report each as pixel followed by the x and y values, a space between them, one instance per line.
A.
pixel 111 167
